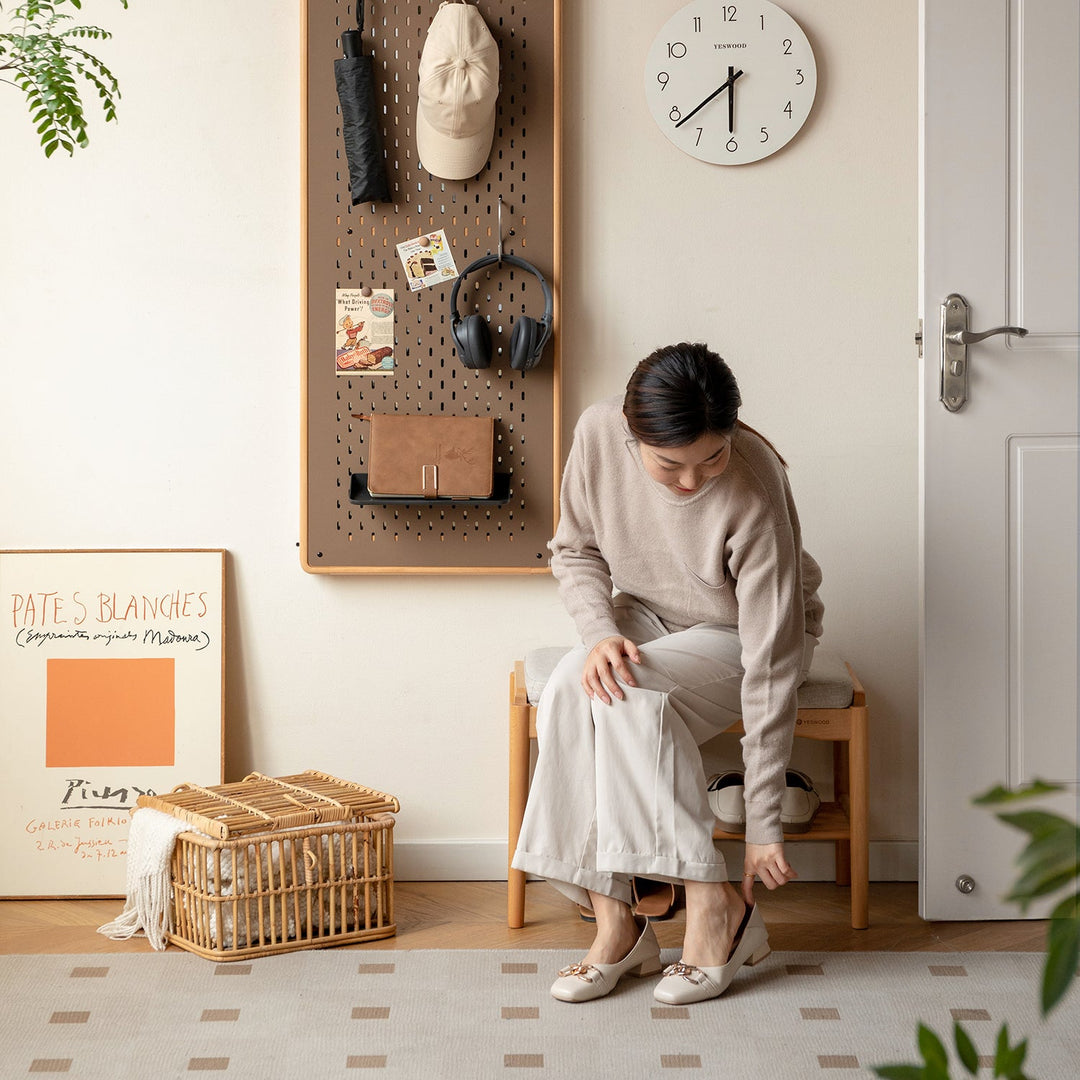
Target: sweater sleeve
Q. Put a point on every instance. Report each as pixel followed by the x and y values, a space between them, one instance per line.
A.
pixel 584 577
pixel 768 585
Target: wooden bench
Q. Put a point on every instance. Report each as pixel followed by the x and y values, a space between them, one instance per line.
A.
pixel 832 708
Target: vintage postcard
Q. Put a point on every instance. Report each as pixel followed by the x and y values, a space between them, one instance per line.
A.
pixel 364 332
pixel 428 260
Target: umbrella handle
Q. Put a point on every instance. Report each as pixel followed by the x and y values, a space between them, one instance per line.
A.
pixel 351 44
pixel 351 41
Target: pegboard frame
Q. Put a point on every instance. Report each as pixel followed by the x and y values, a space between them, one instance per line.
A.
pixel 419 517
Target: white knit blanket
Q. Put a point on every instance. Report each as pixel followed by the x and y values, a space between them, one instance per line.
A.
pixel 147 907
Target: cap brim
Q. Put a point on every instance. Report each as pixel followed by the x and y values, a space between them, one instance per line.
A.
pixel 453 158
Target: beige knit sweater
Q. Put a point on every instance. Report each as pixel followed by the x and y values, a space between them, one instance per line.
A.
pixel 731 553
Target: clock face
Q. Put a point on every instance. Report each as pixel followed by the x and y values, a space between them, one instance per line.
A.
pixel 730 83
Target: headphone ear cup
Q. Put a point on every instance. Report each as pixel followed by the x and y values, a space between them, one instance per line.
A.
pixel 473 340
pixel 523 340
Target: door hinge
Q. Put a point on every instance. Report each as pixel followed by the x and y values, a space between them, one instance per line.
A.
pixel 918 338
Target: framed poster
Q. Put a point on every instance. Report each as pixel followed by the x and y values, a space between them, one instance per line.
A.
pixel 111 686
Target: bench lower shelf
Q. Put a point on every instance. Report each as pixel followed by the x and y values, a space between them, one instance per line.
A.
pixel 830 823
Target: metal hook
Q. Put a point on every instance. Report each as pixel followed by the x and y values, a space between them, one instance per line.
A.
pixel 500 228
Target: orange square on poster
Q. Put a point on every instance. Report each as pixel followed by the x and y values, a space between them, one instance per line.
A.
pixel 106 712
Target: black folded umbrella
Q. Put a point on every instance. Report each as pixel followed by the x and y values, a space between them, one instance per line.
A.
pixel 355 78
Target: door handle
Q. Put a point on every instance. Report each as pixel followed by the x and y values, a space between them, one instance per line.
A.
pixel 955 338
pixel 969 337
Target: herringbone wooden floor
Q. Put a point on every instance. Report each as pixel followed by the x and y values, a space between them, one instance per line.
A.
pixel 810 916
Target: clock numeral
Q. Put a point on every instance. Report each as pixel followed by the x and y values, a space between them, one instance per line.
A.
pixel 787 109
pixel 762 18
pixel 662 78
pixel 674 116
pixel 697 141
pixel 787 46
pixel 697 24
pixel 676 50
pixel 731 12
pixel 764 135
pixel 732 146
pixel 799 80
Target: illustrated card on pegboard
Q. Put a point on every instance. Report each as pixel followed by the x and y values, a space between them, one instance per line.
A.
pixel 364 331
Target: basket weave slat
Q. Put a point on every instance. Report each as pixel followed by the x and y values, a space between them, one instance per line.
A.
pixel 261 803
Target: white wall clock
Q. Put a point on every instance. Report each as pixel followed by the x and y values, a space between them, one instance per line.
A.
pixel 730 83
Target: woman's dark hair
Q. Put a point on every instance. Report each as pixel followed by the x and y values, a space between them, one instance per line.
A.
pixel 681 392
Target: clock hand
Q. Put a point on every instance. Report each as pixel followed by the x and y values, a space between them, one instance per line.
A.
pixel 729 82
pixel 731 100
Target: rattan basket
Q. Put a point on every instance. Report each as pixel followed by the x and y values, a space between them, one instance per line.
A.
pixel 280 863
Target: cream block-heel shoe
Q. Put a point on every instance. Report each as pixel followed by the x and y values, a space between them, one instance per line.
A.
pixel 684 983
pixel 584 982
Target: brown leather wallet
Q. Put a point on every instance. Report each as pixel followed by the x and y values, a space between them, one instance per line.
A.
pixel 448 457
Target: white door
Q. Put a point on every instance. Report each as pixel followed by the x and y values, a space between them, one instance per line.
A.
pixel 1000 230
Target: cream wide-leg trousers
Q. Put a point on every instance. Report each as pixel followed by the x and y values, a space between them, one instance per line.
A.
pixel 619 789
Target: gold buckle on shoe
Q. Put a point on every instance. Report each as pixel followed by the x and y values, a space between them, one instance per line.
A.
pixel 687 971
pixel 580 970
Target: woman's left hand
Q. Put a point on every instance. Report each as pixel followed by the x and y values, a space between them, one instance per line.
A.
pixel 767 862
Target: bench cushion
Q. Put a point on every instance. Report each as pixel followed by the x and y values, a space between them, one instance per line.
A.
pixel 828 686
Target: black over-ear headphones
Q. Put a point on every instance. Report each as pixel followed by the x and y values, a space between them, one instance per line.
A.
pixel 473 338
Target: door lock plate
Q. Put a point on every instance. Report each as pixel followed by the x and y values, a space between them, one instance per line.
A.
pixel 954 366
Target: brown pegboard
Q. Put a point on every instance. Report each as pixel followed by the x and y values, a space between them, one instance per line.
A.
pixel 349 246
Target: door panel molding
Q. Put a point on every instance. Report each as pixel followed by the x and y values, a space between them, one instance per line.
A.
pixel 1043 212
pixel 1042 607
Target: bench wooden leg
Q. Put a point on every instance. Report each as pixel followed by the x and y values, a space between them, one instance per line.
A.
pixel 519 791
pixel 843 862
pixel 858 776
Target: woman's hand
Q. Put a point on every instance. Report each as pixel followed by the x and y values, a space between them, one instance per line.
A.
pixel 767 862
pixel 606 661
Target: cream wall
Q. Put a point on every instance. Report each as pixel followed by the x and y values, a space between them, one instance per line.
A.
pixel 149 338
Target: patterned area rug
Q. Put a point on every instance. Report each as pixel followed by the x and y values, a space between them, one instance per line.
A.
pixel 429 1015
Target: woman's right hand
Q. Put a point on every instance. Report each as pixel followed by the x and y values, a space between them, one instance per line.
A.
pixel 606 661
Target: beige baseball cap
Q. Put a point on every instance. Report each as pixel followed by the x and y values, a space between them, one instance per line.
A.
pixel 459 85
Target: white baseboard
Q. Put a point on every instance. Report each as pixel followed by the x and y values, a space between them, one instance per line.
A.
pixel 450 860
pixel 485 860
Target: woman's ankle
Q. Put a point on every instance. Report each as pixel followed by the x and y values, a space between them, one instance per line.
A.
pixel 718 896
pixel 610 912
pixel 714 911
pixel 616 930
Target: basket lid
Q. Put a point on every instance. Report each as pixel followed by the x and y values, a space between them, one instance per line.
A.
pixel 261 803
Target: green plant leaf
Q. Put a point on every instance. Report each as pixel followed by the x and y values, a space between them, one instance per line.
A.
pixel 94 32
pixel 1036 823
pixel 1042 880
pixel 1009 1060
pixel 965 1049
pixel 1062 953
pixel 1051 859
pixel 999 794
pixel 932 1048
pixel 1060 841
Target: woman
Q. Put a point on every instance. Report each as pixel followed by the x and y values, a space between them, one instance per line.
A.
pixel 687 513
